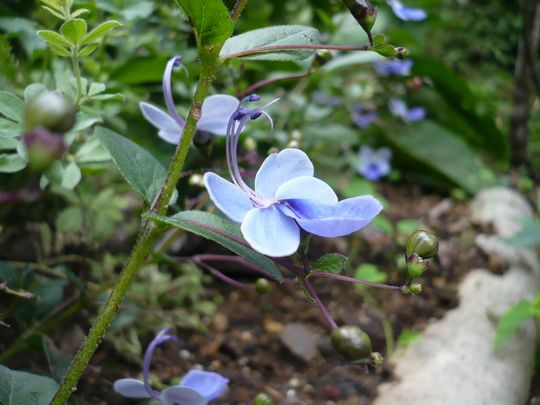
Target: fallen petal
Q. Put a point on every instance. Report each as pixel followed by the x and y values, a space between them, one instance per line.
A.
pixel 131 388
pixel 209 384
pixel 182 396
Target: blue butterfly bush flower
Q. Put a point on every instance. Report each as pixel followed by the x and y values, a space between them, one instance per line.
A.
pixel 286 198
pixel 399 109
pixel 197 387
pixel 215 113
pixel 374 164
pixel 394 67
pixel 405 13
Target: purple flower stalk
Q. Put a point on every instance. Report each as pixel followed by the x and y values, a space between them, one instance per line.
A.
pixel 197 387
pixel 394 67
pixel 405 13
pixel 215 114
pixel 285 199
pixel 399 109
pixel 374 164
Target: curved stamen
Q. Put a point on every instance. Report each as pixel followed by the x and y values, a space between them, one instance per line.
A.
pixel 176 61
pixel 161 337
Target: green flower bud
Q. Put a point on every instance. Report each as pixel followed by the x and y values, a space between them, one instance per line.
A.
pixel 43 148
pixel 376 359
pixel 263 286
pixel 263 399
pixel 416 288
pixel 364 12
pixel 416 266
pixel 401 53
pixel 423 243
pixel 352 343
pixel 50 110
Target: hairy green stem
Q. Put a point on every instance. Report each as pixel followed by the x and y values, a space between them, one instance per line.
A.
pixel 77 73
pixel 147 237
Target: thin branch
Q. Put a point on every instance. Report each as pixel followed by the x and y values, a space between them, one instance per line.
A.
pixel 237 10
pixel 322 308
pixel 339 277
pixel 266 82
pixel 216 273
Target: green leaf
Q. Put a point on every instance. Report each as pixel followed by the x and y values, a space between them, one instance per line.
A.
pixel 54 12
pixel 33 90
pixel 70 220
pixel 71 176
pixel 11 163
pixel 9 129
pixel 528 237
pixel 141 170
pixel 511 320
pixel 79 12
pixel 88 49
pixel 437 148
pixel 19 387
pixel 74 30
pixel 8 143
pixel 96 88
pixel 210 20
pixel 58 361
pixel 369 272
pixel 272 36
pixel 219 230
pixel 378 39
pixel 330 263
pixel 407 337
pixel 58 50
pixel 385 50
pixel 54 38
pixel 97 33
pixel 11 106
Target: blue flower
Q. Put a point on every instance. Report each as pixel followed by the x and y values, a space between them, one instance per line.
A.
pixel 286 198
pixel 394 67
pixel 406 13
pixel 197 387
pixel 362 117
pixel 215 113
pixel 399 109
pixel 374 164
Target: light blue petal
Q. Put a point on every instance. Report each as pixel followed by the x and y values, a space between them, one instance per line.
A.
pixel 333 220
pixel 279 168
pixel 216 113
pixel 182 396
pixel 228 197
pixel 270 232
pixel 170 137
pixel 158 118
pixel 398 108
pixel 406 13
pixel 305 187
pixel 131 388
pixel 207 383
pixel 416 114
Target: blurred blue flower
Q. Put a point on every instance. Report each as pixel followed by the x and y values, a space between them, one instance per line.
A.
pixel 286 198
pixel 399 109
pixel 363 118
pixel 215 113
pixel 321 97
pixel 197 387
pixel 374 164
pixel 406 13
pixel 394 67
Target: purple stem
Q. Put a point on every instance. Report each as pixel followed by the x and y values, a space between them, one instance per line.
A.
pixel 309 287
pixel 216 273
pixel 354 280
pixel 266 82
pixel 275 48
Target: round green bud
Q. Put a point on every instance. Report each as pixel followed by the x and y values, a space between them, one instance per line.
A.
pixel 423 243
pixel 351 342
pixel 401 53
pixel 416 288
pixel 263 399
pixel 263 286
pixel 50 110
pixel 376 359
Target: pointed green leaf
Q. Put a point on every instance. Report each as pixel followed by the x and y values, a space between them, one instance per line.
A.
pixel 19 387
pixel 11 106
pixel 79 12
pixel 54 12
pixel 11 163
pixel 99 31
pixel 219 230
pixel 71 177
pixel 272 36
pixel 385 50
pixel 141 170
pixel 58 361
pixel 9 129
pixel 511 320
pixel 330 263
pixel 210 20
pixel 54 38
pixel 58 50
pixel 88 50
pixel 74 30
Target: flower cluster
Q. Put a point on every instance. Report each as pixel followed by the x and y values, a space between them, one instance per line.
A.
pixel 286 198
pixel 197 387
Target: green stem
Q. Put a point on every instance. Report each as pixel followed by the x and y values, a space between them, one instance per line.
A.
pixel 147 237
pixel 77 72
